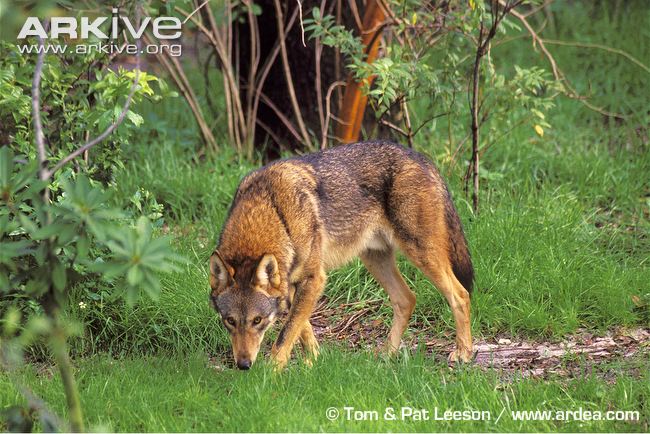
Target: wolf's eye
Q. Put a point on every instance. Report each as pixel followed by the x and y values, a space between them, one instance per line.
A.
pixel 230 320
pixel 257 320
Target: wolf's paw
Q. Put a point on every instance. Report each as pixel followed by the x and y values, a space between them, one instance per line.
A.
pixel 389 349
pixel 311 356
pixel 278 366
pixel 279 361
pixel 463 356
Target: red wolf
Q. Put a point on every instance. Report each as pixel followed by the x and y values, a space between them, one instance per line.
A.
pixel 293 220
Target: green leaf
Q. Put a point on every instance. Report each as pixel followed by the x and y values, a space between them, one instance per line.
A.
pixel 135 118
pixel 152 286
pixel 134 276
pixel 4 281
pixel 6 166
pixel 83 243
pixel 26 223
pixel 49 231
pixel 59 276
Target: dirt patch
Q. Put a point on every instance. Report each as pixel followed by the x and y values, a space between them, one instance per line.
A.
pixel 578 354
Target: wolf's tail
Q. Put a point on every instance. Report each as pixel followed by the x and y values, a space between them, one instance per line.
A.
pixel 461 261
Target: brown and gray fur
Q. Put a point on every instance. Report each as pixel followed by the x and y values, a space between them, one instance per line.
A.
pixel 293 220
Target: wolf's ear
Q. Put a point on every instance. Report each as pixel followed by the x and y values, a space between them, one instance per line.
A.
pixel 220 273
pixel 267 272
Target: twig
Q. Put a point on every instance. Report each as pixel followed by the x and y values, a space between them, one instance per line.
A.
pixel 355 14
pixel 266 68
pixel 625 54
pixel 39 137
pixel 287 123
pixel 318 51
pixel 407 123
pixel 231 90
pixel 337 56
pixel 483 46
pixel 302 26
pixel 287 74
pixel 252 72
pixel 393 127
pixel 480 51
pixel 328 112
pixel 269 131
pixel 557 72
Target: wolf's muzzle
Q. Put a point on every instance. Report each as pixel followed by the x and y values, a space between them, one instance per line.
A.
pixel 244 364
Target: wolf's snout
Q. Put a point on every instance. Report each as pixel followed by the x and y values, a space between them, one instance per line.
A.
pixel 244 364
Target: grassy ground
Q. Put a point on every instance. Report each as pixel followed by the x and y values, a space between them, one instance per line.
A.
pixel 561 244
pixel 184 394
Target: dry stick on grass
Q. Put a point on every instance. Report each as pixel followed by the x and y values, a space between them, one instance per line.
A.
pixel 287 74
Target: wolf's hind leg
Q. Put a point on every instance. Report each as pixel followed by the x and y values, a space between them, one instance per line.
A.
pixel 439 271
pixel 381 264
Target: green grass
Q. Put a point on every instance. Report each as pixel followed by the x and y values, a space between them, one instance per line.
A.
pixel 184 394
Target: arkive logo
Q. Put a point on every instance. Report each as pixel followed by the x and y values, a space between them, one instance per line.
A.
pixel 161 27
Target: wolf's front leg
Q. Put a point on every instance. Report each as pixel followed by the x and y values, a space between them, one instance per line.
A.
pixel 307 293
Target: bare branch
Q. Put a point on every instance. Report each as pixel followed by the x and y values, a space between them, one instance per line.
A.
pixel 318 51
pixel 287 123
pixel 302 26
pixel 355 14
pixel 557 72
pixel 287 73
pixel 613 50
pixel 268 64
pixel 407 123
pixel 393 127
pixel 39 137
pixel 328 113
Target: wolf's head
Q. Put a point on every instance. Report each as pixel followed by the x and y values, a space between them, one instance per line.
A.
pixel 249 299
